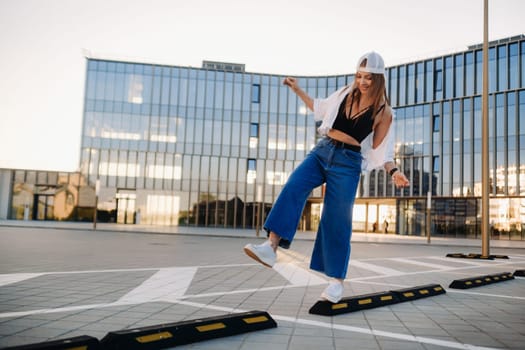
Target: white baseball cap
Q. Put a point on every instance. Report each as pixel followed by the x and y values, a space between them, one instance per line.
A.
pixel 374 63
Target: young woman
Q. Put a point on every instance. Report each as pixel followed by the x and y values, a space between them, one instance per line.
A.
pixel 357 125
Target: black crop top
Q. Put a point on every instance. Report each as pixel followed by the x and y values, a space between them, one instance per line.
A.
pixel 359 128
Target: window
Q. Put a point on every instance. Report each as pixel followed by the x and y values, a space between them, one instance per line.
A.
pixel 479 71
pixel 393 85
pixel 402 86
pixel 469 73
pixel 449 77
pixel 502 67
pixel 435 164
pixel 458 72
pixel 420 83
pixel 438 80
pixel 429 81
pixel 522 52
pixel 513 65
pixel 254 135
pixel 256 93
pixel 435 123
pixel 252 164
pixel 411 83
pixel 254 130
pixel 251 173
pixel 492 70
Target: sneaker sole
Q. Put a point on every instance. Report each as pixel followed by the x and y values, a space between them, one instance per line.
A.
pixel 330 299
pixel 255 257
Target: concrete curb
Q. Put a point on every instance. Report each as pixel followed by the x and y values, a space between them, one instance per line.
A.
pixel 357 237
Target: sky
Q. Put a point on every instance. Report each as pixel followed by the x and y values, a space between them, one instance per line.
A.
pixel 44 44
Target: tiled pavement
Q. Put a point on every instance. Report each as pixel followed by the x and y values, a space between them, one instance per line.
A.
pixel 59 283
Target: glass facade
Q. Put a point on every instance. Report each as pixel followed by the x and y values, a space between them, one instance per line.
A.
pixel 213 146
pixel 192 146
pixel 50 195
pixel 439 141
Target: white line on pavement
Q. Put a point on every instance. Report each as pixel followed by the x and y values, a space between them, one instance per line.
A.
pixel 63 309
pixel 484 294
pixel 380 284
pixel 432 271
pixel 240 291
pixel 10 278
pixel 139 269
pixel 330 325
pixel 375 268
pixel 420 263
pixel 169 282
pixel 455 260
pixel 297 275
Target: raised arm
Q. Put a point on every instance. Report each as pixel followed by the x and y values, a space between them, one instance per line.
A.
pixel 292 83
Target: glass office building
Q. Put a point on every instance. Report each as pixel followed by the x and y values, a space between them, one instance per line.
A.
pixel 213 146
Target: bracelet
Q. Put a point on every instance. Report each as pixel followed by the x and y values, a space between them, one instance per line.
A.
pixel 393 171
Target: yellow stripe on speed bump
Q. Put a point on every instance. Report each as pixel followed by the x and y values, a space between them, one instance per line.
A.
pixel 186 332
pixel 259 319
pixel 211 327
pixel 339 306
pixel 418 292
pixel 154 337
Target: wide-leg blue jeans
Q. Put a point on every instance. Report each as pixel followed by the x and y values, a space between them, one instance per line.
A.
pixel 340 169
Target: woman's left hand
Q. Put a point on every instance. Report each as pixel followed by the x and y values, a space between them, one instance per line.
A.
pixel 400 180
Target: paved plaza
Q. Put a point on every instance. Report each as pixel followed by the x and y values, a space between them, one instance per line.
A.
pixel 63 281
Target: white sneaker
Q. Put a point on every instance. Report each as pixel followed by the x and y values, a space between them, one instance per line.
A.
pixel 262 253
pixel 334 291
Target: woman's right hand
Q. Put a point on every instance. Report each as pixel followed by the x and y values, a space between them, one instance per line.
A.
pixel 291 82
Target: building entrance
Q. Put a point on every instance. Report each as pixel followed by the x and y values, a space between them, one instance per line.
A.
pixel 43 207
pixel 126 206
pixel 374 215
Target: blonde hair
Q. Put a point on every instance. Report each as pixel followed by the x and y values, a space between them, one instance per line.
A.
pixel 377 93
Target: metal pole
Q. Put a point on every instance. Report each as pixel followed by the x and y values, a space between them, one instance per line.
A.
pixel 429 205
pixel 97 190
pixel 485 239
pixel 258 200
pixel 366 217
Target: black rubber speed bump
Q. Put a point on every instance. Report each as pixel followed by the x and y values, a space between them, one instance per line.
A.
pixel 369 301
pixel 83 342
pixel 418 292
pixel 498 256
pixel 351 304
pixel 186 332
pixel 455 255
pixel 472 282
pixel 469 256
pixel 476 256
pixel 519 273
